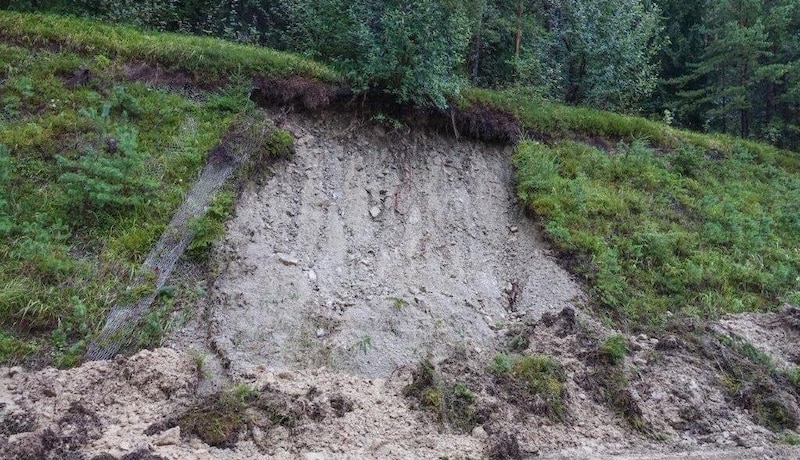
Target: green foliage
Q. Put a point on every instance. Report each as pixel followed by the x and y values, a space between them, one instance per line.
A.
pixel 544 377
pixel 501 365
pixel 614 349
pixel 398 303
pixel 458 407
pixel 279 144
pixel 107 183
pixel 232 99
pixel 651 239
pixel 153 328
pixel 736 67
pixel 611 386
pixel 218 420
pixel 13 350
pixel 793 376
pixel 791 439
pixel 206 59
pixel 534 381
pixel 206 230
pixel 453 403
pixel 88 180
pixel 5 175
pixel 362 344
pixel 420 47
pixel 608 49
pixel 410 49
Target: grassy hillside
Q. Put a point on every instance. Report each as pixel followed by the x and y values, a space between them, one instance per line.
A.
pixel 687 232
pixel 93 165
pixel 206 59
pixel 658 221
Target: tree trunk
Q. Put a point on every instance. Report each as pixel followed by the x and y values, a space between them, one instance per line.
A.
pixel 476 53
pixel 518 38
pixel 744 118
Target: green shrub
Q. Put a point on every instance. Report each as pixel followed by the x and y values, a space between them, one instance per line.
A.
pixel 108 182
pixel 280 144
pixel 453 403
pixel 207 229
pixel 614 349
pixel 610 384
pixel 411 49
pixel 501 365
pixel 537 382
pixel 544 377
pixel 793 375
pixel 790 438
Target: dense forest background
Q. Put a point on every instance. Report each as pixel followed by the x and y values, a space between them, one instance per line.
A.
pixel 730 66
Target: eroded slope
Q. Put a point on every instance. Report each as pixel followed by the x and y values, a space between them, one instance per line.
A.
pixel 371 252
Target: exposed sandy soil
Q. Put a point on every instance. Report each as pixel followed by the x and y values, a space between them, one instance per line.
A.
pixel 368 252
pixel 340 271
pixel 777 334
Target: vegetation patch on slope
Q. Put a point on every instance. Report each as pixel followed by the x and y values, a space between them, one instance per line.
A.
pixel 93 172
pixel 207 60
pixel 690 232
pixel 550 120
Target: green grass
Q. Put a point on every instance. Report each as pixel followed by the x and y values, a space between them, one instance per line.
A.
pixel 791 439
pixel 206 59
pixel 92 168
pixel 208 228
pixel 614 349
pixel 754 382
pixel 537 382
pixel 687 232
pixel 91 176
pixel 453 403
pixel 560 121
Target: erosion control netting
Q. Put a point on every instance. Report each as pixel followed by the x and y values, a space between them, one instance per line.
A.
pixel 246 136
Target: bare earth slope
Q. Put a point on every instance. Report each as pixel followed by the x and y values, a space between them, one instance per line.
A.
pixel 370 252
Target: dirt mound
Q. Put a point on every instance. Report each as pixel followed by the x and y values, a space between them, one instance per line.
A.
pixel 148 407
pixel 59 414
pixel 130 408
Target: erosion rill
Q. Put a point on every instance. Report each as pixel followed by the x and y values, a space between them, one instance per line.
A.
pixel 248 137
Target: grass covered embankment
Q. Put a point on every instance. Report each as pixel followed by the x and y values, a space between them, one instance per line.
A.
pixel 658 221
pixel 93 165
pixel 689 231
